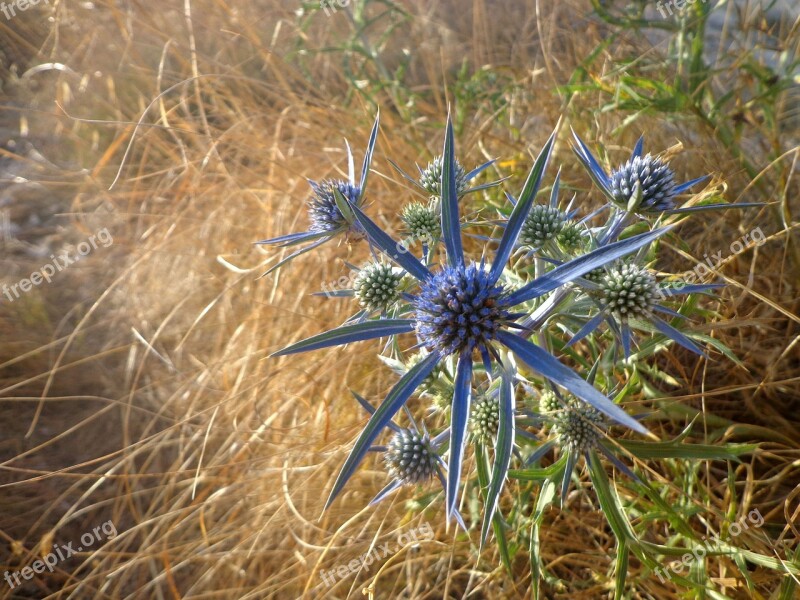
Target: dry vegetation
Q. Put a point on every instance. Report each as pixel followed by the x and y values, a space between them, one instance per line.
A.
pixel 136 386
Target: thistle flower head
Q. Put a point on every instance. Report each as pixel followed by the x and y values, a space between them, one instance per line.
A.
pixel 576 427
pixel 485 418
pixel 377 286
pixel 421 220
pixel 629 290
pixel 431 178
pixel 322 209
pixel 570 237
pixel 544 222
pixel 409 457
pixel 655 178
pixel 459 309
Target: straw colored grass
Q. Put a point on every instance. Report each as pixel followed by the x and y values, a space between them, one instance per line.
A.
pixel 137 388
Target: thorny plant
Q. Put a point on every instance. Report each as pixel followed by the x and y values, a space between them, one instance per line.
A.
pixel 481 337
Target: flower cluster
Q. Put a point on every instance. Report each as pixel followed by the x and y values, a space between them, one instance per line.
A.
pixel 472 332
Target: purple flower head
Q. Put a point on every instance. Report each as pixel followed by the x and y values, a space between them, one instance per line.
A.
pixel 459 309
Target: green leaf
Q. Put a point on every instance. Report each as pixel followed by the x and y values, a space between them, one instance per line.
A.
pixel 482 462
pixel 789 585
pixel 502 452
pixel 546 496
pixel 344 206
pixel 539 474
pixel 660 450
pixel 621 568
pixel 609 501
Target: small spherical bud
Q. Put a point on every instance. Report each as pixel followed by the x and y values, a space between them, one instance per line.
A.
pixel 485 418
pixel 629 291
pixel 377 286
pixel 576 427
pixel 570 238
pixel 422 221
pixel 544 222
pixel 409 457
pixel 654 178
pixel 549 402
pixel 431 178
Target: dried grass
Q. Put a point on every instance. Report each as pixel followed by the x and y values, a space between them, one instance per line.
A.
pixel 136 387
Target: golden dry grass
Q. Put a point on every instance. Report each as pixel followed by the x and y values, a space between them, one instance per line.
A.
pixel 136 386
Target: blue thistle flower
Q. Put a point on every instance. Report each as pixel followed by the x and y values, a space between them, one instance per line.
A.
pixel 485 418
pixel 459 309
pixel 576 430
pixel 422 221
pixel 323 212
pixel 549 402
pixel 463 308
pixel 543 224
pixel 571 237
pixel 548 223
pixel 629 291
pixel 647 176
pixel 575 427
pixel 411 457
pixel 430 178
pixel 644 185
pixel 328 208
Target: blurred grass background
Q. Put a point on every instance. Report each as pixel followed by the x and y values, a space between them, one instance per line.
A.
pixel 136 386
